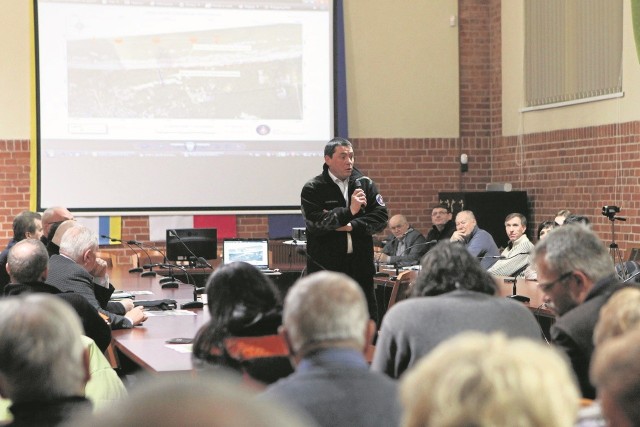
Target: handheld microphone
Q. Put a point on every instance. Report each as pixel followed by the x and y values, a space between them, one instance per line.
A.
pixel 359 185
pixel 128 243
pixel 196 260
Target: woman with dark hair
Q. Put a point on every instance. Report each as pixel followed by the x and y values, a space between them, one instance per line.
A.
pixel 545 227
pixel 242 302
pixel 452 294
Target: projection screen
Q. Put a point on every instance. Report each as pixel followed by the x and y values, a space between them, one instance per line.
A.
pixel 151 105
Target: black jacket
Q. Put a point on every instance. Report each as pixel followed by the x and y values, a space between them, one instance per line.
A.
pixel 325 209
pixel 94 326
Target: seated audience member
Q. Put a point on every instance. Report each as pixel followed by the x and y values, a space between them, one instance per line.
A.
pixel 327 327
pixel 618 316
pixel 576 219
pixel 615 372
pixel 407 245
pixel 44 365
pixel 217 400
pixel 577 277
pixel 561 216
pixel 28 266
pixel 515 257
pixel 77 269
pixel 543 230
pixel 452 294
pixel 26 225
pixel 52 217
pixel 443 225
pixel 488 380
pixel 242 302
pixel 478 242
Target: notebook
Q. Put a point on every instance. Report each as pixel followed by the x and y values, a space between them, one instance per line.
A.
pixel 252 251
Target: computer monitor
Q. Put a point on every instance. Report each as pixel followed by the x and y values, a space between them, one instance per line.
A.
pixel 202 242
pixel 252 251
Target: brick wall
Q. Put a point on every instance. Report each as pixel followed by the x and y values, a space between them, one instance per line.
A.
pixel 578 169
pixel 14 184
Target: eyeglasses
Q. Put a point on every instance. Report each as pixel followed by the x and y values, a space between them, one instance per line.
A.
pixel 546 287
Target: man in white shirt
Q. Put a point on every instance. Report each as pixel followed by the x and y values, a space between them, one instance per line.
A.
pixel 515 258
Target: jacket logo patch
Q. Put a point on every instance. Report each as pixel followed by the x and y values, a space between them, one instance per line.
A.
pixel 379 199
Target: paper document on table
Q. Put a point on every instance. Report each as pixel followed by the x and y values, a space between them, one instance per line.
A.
pixel 150 313
pixel 180 348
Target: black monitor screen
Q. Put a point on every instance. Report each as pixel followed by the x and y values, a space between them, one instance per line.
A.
pixel 203 242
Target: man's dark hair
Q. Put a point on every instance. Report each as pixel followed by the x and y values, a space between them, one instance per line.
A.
pixel 546 224
pixel 442 206
pixel 523 219
pixel 576 219
pixel 330 148
pixel 24 223
pixel 449 266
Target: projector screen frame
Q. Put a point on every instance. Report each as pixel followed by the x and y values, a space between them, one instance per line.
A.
pixel 111 204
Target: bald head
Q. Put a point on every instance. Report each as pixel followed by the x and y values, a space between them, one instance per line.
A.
pixel 28 261
pixel 54 215
pixel 398 225
pixel 325 309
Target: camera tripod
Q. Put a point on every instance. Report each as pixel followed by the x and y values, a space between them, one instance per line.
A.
pixel 614 250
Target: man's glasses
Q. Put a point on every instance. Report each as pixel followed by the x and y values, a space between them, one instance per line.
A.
pixel 546 287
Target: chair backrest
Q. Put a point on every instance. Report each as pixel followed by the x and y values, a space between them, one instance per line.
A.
pixel 401 286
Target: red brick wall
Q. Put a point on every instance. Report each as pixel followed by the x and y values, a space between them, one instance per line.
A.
pixel 14 184
pixel 578 169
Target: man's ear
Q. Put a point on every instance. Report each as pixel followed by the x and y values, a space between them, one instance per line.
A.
pixel 370 332
pixel 282 331
pixel 43 276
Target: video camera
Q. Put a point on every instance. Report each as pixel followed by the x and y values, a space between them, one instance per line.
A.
pixel 610 211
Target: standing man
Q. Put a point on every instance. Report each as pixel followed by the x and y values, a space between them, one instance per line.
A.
pixel 577 277
pixel 478 242
pixel 342 210
pixel 515 256
pixel 407 245
pixel 443 224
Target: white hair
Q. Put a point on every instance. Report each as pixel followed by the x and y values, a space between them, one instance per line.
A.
pixel 325 307
pixel 77 240
pixel 41 351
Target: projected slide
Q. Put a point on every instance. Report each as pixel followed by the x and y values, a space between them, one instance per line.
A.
pixel 171 93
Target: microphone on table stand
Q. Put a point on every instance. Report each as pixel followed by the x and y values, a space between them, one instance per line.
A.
pixel 149 266
pixel 196 290
pixel 128 243
pixel 198 261
pixel 407 249
pixel 514 279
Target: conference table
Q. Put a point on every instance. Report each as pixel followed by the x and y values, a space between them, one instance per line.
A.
pixel 147 346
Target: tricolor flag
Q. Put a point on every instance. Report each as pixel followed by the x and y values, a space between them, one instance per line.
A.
pixel 103 226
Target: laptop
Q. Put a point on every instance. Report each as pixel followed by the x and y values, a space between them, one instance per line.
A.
pixel 252 251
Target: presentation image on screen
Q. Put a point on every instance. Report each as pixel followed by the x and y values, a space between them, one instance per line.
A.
pixel 181 105
pixel 252 251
